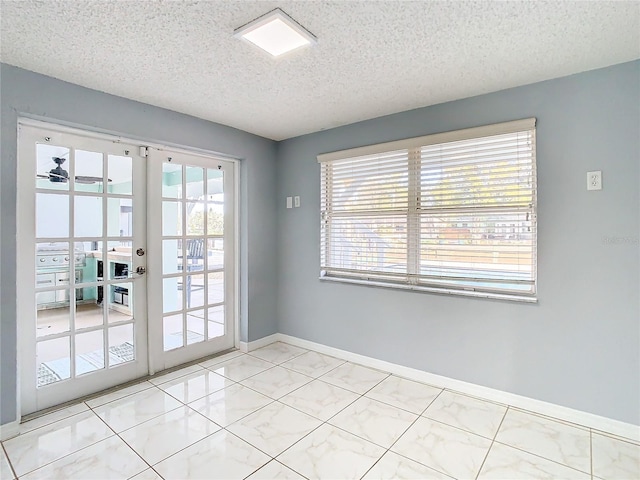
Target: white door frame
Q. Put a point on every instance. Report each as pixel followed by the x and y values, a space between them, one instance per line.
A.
pixel 25 282
pixel 160 359
pixel 77 384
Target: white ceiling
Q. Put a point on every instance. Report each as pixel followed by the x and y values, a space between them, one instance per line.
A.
pixel 372 58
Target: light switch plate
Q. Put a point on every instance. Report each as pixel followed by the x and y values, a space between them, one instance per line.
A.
pixel 594 180
pixel 296 201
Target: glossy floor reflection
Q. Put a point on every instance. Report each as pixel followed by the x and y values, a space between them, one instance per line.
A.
pixel 283 412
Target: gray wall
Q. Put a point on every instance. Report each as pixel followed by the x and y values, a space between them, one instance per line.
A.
pixel 26 92
pixel 580 345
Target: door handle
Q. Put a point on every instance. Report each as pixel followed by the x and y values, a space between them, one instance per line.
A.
pixel 138 272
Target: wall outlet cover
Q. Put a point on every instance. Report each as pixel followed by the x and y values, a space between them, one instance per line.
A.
pixel 594 180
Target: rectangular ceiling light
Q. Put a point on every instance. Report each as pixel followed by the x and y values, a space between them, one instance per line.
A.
pixel 276 33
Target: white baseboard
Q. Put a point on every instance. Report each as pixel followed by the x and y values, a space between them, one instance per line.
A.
pixel 566 414
pixel 9 430
pixel 261 342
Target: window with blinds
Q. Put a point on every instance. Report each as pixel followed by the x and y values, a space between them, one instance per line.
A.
pixel 453 212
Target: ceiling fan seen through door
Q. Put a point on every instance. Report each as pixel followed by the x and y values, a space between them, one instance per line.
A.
pixel 60 175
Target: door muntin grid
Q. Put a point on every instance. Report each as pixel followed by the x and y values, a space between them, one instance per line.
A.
pixel 193 264
pixel 82 326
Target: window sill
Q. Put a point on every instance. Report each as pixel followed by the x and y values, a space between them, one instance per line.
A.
pixel 442 291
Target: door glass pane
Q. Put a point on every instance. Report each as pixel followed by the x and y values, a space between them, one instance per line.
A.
pixel 52 215
pixel 171 256
pixel 172 294
pixel 89 257
pixel 171 218
pixel 216 288
pixel 88 216
pixel 89 174
pixel 45 280
pixel 195 183
pixel 51 257
pixel 120 173
pixel 117 265
pixel 53 269
pixel 215 217
pixel 215 183
pixel 171 180
pixel 119 217
pixel 172 332
pixel 50 321
pixel 53 299
pixel 90 296
pixel 63 278
pixel 89 351
pixel 55 180
pixel 115 245
pixel 53 361
pixel 120 302
pixel 215 253
pixel 195 218
pixel 121 347
pixel 195 254
pixel 80 261
pixel 215 317
pixel 88 312
pixel 195 290
pixel 195 327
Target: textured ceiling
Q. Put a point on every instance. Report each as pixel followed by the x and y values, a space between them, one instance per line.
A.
pixel 372 58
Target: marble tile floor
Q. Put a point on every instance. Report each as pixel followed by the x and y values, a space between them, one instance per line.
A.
pixel 283 412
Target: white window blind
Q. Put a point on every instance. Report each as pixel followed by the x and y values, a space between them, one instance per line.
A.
pixel 454 212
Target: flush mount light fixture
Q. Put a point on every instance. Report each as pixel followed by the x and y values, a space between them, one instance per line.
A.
pixel 276 33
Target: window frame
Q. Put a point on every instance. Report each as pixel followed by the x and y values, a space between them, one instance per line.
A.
pixel 408 280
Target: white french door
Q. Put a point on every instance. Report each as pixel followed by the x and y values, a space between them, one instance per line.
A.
pixel 81 304
pixel 126 261
pixel 192 261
